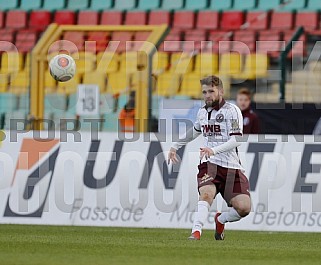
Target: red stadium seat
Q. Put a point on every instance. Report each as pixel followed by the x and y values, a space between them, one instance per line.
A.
pixel 298 48
pixel 39 19
pixel 309 20
pixel 221 42
pixel 172 42
pixel 16 19
pixel 122 38
pixel 207 20
pixel 159 17
pixel 1 19
pixel 244 37
pixel 111 18
pixel 26 40
pixel 86 17
pixel 65 17
pixel 184 19
pixel 282 20
pixel 7 38
pixel 195 37
pixel 269 43
pixel 76 38
pixel 257 20
pixel 101 39
pixel 136 18
pixel 140 36
pixel 232 20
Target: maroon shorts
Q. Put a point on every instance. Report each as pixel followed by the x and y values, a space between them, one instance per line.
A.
pixel 229 182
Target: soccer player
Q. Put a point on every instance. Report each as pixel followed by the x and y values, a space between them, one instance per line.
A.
pixel 251 122
pixel 220 123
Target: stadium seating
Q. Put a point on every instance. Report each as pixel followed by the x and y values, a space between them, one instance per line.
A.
pixel 159 17
pixel 257 20
pixel 172 4
pixel 39 20
pixel 8 5
pixel 111 18
pixel 65 17
pixel 124 4
pixel 88 18
pixel 1 19
pixel 147 5
pixel 206 64
pixel 232 20
pixel 313 5
pixel 309 20
pixel 268 5
pixel 208 20
pixel 136 18
pixel 99 5
pixel 16 19
pixel 282 20
pixel 294 5
pixel 244 4
pixel 220 5
pixel 77 4
pixel 196 5
pixel 53 5
pixel 184 19
pixel 30 5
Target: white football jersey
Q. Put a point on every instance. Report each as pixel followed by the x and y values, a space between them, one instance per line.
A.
pixel 218 125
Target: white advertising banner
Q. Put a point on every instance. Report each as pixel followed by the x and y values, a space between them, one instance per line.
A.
pixel 75 180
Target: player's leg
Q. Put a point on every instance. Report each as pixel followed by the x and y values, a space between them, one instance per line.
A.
pixel 236 193
pixel 207 195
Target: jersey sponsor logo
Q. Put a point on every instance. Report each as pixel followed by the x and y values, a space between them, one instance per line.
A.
pixel 211 129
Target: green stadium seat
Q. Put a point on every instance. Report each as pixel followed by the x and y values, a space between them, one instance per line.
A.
pixel 196 5
pixel 8 102
pixel 268 5
pixel 220 5
pixel 99 5
pixel 172 4
pixel 6 5
pixel 110 123
pixel 106 103
pixel 53 5
pixel 294 5
pixel 23 102
pixel 60 122
pixel 148 5
pixel 30 5
pixel 124 4
pixel 77 4
pixel 313 5
pixel 244 4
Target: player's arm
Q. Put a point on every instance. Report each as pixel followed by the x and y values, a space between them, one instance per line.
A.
pixel 189 136
pixel 235 129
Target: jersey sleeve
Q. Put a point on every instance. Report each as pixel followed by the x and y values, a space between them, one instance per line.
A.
pixel 235 122
pixel 197 124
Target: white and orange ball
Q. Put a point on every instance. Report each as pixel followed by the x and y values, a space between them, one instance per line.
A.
pixel 62 67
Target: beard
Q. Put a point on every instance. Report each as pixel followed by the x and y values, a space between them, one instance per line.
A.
pixel 212 103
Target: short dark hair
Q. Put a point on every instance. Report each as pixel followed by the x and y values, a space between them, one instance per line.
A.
pixel 212 81
pixel 246 92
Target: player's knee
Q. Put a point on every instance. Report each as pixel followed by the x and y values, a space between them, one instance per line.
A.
pixel 207 196
pixel 243 208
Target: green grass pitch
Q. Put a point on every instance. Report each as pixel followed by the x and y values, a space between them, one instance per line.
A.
pixel 44 245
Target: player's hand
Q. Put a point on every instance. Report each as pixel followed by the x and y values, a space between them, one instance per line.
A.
pixel 172 156
pixel 205 151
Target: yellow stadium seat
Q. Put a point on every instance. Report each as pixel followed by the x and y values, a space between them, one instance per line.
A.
pixel 27 64
pixel 11 62
pixel 4 80
pixel 191 85
pixel 117 82
pixel 160 61
pixel 95 78
pixel 107 62
pixel 86 62
pixel 167 84
pixel 206 64
pixel 20 82
pixel 128 62
pixel 70 86
pixel 256 66
pixel 230 64
pixel 181 63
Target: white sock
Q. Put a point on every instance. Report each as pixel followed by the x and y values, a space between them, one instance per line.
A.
pixel 230 216
pixel 200 216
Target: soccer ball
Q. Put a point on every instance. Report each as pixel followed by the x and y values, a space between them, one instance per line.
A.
pixel 62 67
